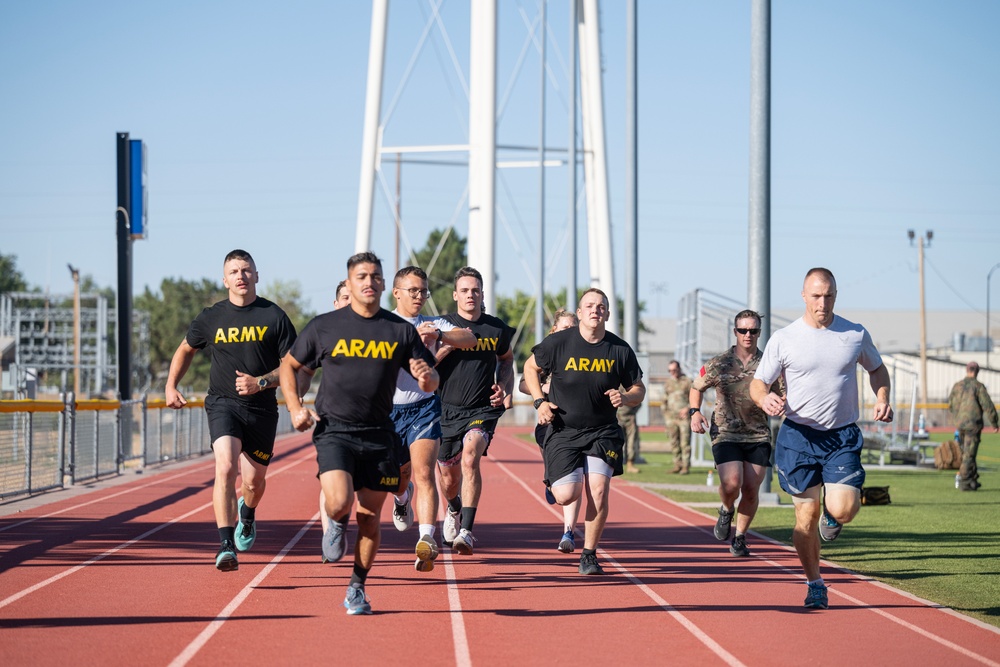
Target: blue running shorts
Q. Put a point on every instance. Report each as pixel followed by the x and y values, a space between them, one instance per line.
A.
pixel 418 421
pixel 805 457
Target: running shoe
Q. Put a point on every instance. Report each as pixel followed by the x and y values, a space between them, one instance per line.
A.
pixel 464 542
pixel 816 598
pixel 449 528
pixel 589 564
pixel 567 544
pixel 549 498
pixel 225 560
pixel 829 529
pixel 725 523
pixel 356 601
pixel 427 552
pixel 246 533
pixel 402 514
pixel 334 541
pixel 739 546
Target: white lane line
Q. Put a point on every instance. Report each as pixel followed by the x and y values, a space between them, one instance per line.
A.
pixel 459 639
pixel 860 603
pixel 76 568
pixel 159 479
pixel 700 635
pixel 227 613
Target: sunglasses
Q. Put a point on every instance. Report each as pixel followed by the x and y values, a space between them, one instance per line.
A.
pixel 414 292
pixel 743 332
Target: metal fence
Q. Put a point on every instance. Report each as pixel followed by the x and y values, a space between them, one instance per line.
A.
pixel 48 445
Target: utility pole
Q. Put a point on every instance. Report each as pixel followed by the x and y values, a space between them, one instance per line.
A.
pixel 989 341
pixel 922 242
pixel 75 273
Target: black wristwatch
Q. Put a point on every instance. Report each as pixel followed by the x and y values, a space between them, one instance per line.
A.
pixel 538 402
pixel 691 412
pixel 262 383
pixel 440 335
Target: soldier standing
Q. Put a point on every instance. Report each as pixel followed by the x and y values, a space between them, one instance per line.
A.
pixel 970 406
pixel 675 417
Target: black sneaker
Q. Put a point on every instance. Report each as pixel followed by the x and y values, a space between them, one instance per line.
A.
pixel 724 525
pixel 589 564
pixel 817 598
pixel 739 546
pixel 225 560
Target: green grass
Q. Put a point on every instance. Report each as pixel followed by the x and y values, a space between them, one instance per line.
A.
pixel 933 541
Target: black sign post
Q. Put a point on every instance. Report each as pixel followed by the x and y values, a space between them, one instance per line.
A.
pixel 124 300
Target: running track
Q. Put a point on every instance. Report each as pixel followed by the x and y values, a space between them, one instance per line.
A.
pixel 124 575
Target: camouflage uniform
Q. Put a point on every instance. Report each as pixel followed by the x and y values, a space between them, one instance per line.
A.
pixel 736 417
pixel 627 420
pixel 675 418
pixel 970 408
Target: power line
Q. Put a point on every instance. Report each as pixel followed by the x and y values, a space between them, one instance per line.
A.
pixel 948 285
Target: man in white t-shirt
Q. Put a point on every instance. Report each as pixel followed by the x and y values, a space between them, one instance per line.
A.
pixel 818 448
pixel 416 413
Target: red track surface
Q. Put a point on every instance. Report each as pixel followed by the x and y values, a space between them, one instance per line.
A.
pixel 125 575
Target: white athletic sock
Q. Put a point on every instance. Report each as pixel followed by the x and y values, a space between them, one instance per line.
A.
pixel 426 529
pixel 818 582
pixel 401 500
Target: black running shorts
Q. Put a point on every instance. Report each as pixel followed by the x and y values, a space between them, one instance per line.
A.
pixel 373 457
pixel 254 426
pixel 566 449
pixel 757 453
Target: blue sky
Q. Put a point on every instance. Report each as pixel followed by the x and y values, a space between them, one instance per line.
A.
pixel 884 118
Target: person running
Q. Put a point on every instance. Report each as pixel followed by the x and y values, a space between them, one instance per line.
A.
pixel 342 298
pixel 246 336
pixel 741 435
pixel 592 373
pixel 476 388
pixel 818 448
pixel 562 320
pixel 676 422
pixel 361 349
pixel 971 408
pixel 416 414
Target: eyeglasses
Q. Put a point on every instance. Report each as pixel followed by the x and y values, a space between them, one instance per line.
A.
pixel 414 292
pixel 743 332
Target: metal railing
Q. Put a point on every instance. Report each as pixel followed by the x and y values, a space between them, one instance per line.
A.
pixel 47 445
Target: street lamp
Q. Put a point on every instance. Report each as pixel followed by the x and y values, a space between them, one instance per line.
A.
pixel 922 242
pixel 76 331
pixel 989 343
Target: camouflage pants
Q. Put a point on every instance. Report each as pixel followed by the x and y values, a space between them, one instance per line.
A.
pixel 631 428
pixel 968 473
pixel 679 440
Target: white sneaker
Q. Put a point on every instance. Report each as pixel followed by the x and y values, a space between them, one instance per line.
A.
pixel 464 543
pixel 402 515
pixel 449 530
pixel 426 552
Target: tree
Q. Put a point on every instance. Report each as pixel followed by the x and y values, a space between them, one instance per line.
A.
pixel 288 296
pixel 441 257
pixel 11 279
pixel 170 313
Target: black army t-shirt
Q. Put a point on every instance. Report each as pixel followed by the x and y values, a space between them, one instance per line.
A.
pixel 580 373
pixel 361 358
pixel 251 339
pixel 467 376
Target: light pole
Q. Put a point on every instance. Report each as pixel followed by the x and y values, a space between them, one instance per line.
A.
pixel 76 331
pixel 989 343
pixel 922 241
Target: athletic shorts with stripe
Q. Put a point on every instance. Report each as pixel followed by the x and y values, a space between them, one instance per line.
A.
pixel 805 457
pixel 420 420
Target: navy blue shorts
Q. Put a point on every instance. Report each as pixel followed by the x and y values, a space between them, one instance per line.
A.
pixel 418 421
pixel 254 426
pixel 805 457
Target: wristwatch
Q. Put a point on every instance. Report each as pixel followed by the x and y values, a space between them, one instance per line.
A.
pixel 440 335
pixel 262 383
pixel 691 412
pixel 538 402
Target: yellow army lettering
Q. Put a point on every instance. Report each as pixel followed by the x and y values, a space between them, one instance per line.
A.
pixel 389 481
pixel 476 422
pixel 261 455
pixel 589 365
pixel 611 454
pixel 486 344
pixel 377 349
pixel 238 335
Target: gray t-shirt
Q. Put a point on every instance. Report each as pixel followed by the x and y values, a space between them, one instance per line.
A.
pixel 819 368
